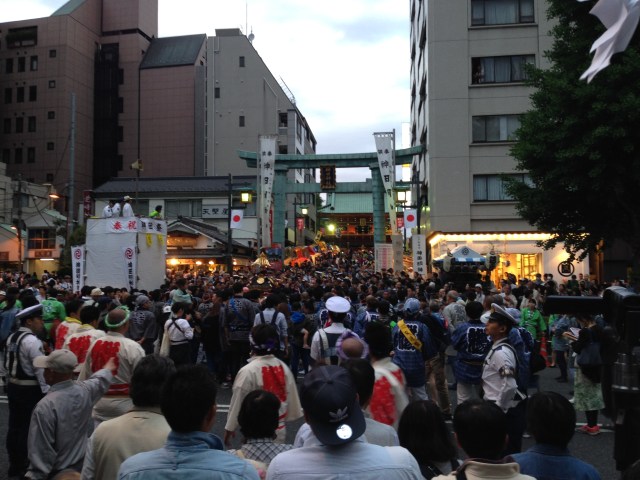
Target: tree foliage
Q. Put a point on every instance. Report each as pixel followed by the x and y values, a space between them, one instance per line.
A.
pixel 580 142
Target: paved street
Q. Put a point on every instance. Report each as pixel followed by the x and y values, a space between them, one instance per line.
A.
pixel 595 450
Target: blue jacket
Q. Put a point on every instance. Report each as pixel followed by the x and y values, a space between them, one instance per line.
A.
pixel 410 360
pixel 193 455
pixel 548 462
pixel 472 345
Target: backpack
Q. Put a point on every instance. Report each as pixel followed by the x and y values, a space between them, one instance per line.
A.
pixel 439 331
pixel 328 342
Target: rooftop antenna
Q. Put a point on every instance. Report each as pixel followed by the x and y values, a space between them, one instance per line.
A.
pixel 251 36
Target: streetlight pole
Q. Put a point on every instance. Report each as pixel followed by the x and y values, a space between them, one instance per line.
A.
pixel 229 233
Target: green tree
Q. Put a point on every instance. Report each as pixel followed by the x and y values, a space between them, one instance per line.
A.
pixel 580 142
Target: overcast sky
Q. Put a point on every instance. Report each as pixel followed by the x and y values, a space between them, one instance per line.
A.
pixel 346 61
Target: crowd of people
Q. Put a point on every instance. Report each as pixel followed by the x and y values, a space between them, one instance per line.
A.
pixel 129 378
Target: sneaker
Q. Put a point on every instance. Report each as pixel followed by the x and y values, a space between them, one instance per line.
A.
pixel 593 431
pixel 583 429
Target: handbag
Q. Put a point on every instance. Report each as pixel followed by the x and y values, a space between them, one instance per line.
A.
pixel 165 346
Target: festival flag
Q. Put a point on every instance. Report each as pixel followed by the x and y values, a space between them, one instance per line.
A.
pixel 236 218
pixel 410 218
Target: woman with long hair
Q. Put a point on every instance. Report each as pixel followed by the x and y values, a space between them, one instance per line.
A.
pixel 422 431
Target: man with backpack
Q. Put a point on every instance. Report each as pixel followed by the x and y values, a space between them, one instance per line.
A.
pixel 323 344
pixel 500 373
pixel 369 314
pixel 271 316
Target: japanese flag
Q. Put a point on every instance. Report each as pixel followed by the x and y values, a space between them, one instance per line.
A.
pixel 236 218
pixel 410 218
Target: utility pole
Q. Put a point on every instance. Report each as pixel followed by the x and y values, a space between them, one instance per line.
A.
pixel 229 233
pixel 19 226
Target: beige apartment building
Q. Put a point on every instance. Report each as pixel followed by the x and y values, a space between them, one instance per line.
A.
pixel 180 106
pixel 467 91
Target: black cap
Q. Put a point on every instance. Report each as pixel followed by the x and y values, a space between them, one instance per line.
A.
pixel 330 400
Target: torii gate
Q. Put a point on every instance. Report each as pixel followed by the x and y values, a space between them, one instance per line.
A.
pixel 282 186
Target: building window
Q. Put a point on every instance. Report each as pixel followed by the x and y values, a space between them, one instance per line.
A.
pixel 241 121
pixel 7 95
pixel 20 94
pixel 33 63
pixel 186 208
pixel 42 238
pixel 6 125
pixel 53 53
pixel 120 105
pixel 8 65
pixel 50 177
pixel 31 124
pixel 17 155
pixel 51 146
pixel 22 37
pixel 120 76
pixel 33 93
pixel 500 69
pixel 31 155
pixel 19 124
pixel 241 61
pixel 284 119
pixel 495 128
pixel 6 155
pixel 51 115
pixel 52 84
pixel 492 188
pixel 120 133
pixel 21 64
pixel 216 92
pixel 501 12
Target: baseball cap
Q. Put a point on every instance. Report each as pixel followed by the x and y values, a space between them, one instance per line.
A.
pixel 61 361
pixel 330 401
pixel 96 291
pixel 141 300
pixel 338 304
pixel 412 306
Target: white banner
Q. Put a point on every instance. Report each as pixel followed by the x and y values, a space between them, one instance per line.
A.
pixel 267 169
pixel 383 256
pixel 386 163
pixel 77 265
pixel 147 225
pixel 419 247
pixel 129 257
pixel 122 225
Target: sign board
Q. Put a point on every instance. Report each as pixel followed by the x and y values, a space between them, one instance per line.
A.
pixel 383 256
pixel 215 208
pixel 419 247
pixel 398 252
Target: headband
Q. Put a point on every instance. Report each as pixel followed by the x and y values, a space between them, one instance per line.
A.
pixel 116 325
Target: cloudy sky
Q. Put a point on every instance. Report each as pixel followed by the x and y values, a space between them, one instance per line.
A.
pixel 346 61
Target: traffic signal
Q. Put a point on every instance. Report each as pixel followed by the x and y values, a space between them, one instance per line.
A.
pixel 328 177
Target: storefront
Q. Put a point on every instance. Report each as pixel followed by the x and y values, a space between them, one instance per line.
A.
pixel 517 254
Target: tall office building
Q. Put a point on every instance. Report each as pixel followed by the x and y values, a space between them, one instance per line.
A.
pixel 467 91
pixel 182 106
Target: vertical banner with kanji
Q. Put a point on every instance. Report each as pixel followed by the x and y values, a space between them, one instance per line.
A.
pixel 419 247
pixel 397 242
pixel 77 265
pixel 266 167
pixel 383 256
pixel 386 163
pixel 129 258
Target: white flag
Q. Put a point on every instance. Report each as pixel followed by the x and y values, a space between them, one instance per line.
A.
pixel 236 218
pixel 620 17
pixel 410 218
